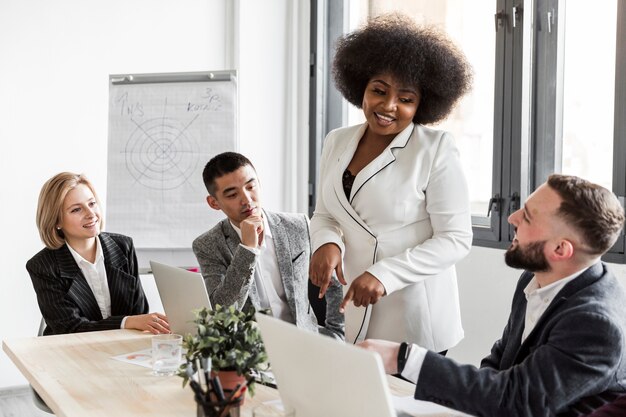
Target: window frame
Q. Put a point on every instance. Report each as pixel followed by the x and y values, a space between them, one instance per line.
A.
pixel 327 110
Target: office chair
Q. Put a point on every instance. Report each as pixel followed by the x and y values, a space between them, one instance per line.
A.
pixel 37 400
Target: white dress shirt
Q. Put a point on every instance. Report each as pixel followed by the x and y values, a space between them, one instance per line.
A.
pixel 96 277
pixel 267 277
pixel 538 300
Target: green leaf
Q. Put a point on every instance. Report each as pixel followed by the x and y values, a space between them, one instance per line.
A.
pixel 228 336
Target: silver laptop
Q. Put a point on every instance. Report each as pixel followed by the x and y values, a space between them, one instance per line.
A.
pixel 319 376
pixel 181 292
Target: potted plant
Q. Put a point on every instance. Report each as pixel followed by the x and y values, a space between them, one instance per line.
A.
pixel 232 340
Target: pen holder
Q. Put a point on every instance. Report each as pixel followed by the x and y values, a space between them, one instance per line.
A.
pixel 211 407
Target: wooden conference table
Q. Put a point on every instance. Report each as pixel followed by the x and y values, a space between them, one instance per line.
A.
pixel 76 377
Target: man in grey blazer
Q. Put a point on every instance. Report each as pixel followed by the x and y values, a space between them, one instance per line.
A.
pixel 256 258
pixel 563 349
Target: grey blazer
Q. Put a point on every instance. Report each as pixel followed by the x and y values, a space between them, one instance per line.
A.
pixel 573 361
pixel 228 270
pixel 65 299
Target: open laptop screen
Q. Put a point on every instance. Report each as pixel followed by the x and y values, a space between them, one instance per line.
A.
pixel 181 292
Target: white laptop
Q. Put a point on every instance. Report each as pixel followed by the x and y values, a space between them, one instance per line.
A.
pixel 181 292
pixel 319 376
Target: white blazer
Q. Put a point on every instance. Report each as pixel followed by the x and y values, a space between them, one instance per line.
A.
pixel 407 223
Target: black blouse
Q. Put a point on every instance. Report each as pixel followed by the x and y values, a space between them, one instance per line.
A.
pixel 347 179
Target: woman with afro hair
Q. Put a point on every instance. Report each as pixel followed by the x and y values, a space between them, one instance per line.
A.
pixel 392 216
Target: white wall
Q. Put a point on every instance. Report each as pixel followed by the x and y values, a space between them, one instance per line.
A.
pixel 261 92
pixel 55 58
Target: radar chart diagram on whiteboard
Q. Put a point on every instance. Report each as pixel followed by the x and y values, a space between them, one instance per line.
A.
pixel 163 128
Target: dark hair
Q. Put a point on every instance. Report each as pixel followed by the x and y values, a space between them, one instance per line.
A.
pixel 591 209
pixel 417 56
pixel 220 165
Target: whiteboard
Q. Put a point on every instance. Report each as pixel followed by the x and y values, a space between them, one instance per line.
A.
pixel 163 129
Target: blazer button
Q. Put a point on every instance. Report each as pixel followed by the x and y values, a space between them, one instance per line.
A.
pixel 372 241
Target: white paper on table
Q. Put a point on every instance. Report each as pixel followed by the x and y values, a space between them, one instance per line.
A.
pixel 141 358
pixel 413 407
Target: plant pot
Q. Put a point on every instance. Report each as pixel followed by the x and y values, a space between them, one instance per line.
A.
pixel 230 380
pixel 232 411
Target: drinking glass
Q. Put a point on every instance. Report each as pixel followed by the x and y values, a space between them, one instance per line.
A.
pixel 166 354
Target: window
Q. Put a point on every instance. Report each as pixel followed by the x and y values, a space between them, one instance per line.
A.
pixel 549 96
pixel 580 88
pixel 588 100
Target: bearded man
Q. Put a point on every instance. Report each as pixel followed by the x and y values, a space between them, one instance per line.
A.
pixel 563 349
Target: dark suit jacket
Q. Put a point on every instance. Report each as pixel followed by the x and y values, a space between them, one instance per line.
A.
pixel 65 299
pixel 574 360
pixel 228 270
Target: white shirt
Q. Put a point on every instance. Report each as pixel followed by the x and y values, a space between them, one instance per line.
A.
pixel 96 277
pixel 267 277
pixel 538 300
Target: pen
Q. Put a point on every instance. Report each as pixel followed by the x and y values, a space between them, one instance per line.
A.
pixel 233 394
pixel 217 386
pixel 239 389
pixel 206 367
pixel 201 379
pixel 197 389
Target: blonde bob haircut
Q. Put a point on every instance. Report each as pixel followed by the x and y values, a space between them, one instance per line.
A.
pixel 50 206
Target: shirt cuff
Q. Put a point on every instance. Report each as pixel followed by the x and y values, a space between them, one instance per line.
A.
pixel 123 323
pixel 414 363
pixel 256 251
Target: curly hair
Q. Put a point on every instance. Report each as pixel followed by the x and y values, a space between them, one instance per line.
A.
pixel 417 56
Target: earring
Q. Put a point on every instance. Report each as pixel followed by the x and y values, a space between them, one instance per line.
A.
pixel 58 227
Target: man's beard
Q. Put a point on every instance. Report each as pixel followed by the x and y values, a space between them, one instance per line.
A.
pixel 530 257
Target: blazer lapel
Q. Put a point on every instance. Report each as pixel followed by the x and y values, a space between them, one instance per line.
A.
pixel 115 262
pixel 79 290
pixel 233 241
pixel 231 237
pixel 379 163
pixel 513 346
pixel 383 160
pixel 588 277
pixel 341 166
pixel 283 256
pixel 515 337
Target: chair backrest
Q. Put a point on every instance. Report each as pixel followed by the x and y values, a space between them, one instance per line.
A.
pixel 37 400
pixel 42 327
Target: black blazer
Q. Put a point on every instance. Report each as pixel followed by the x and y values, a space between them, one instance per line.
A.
pixel 572 362
pixel 65 299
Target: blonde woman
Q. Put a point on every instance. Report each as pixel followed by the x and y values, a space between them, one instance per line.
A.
pixel 85 279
